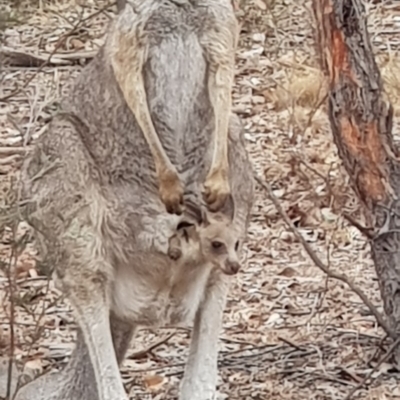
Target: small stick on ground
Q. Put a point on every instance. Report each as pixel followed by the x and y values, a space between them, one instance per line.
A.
pixel 290 342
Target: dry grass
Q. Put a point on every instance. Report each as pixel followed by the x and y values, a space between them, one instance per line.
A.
pixel 304 87
pixel 390 70
pixel 289 332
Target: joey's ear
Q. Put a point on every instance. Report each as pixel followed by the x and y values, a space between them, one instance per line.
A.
pixel 229 207
pixel 197 211
pixel 205 220
pixel 184 224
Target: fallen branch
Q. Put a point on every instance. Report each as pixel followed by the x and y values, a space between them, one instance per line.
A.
pixel 60 42
pixel 318 262
pixel 290 343
pixel 21 58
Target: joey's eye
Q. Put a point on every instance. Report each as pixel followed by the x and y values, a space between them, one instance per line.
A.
pixel 237 246
pixel 216 244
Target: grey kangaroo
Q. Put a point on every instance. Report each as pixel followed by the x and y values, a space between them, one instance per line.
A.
pixel 146 121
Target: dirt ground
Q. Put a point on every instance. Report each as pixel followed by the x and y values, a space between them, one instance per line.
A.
pixel 289 332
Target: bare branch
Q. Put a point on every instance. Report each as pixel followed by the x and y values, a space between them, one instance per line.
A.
pixel 318 262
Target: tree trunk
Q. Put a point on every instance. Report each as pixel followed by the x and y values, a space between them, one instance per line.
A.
pixel 361 122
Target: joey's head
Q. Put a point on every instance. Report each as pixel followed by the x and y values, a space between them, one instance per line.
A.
pixel 219 241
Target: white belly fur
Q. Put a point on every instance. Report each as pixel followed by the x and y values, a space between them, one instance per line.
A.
pixel 168 294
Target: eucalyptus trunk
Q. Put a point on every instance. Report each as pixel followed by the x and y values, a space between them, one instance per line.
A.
pixel 361 120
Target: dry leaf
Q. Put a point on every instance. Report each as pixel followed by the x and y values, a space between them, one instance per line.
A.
pixel 288 272
pixel 35 367
pixel 260 4
pixel 77 44
pixel 153 382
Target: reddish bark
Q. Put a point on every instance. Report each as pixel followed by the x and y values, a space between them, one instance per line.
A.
pixel 361 121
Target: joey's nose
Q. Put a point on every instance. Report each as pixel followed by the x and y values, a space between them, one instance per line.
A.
pixel 231 267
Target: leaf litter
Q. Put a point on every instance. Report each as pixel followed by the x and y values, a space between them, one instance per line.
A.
pixel 289 331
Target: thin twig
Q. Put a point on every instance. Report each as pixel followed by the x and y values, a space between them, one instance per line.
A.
pixel 368 232
pixel 11 282
pixel 316 172
pixel 290 343
pixel 378 350
pixel 317 261
pixel 142 353
pixel 381 361
pixel 351 374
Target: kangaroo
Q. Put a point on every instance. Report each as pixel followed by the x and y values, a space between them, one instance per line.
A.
pixel 95 186
pixel 211 242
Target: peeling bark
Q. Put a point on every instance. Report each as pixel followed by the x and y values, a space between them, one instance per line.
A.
pixel 361 120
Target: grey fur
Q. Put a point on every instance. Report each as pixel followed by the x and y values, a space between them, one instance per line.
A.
pixel 91 193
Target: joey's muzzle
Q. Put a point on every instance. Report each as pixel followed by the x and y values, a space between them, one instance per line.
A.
pixel 231 267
